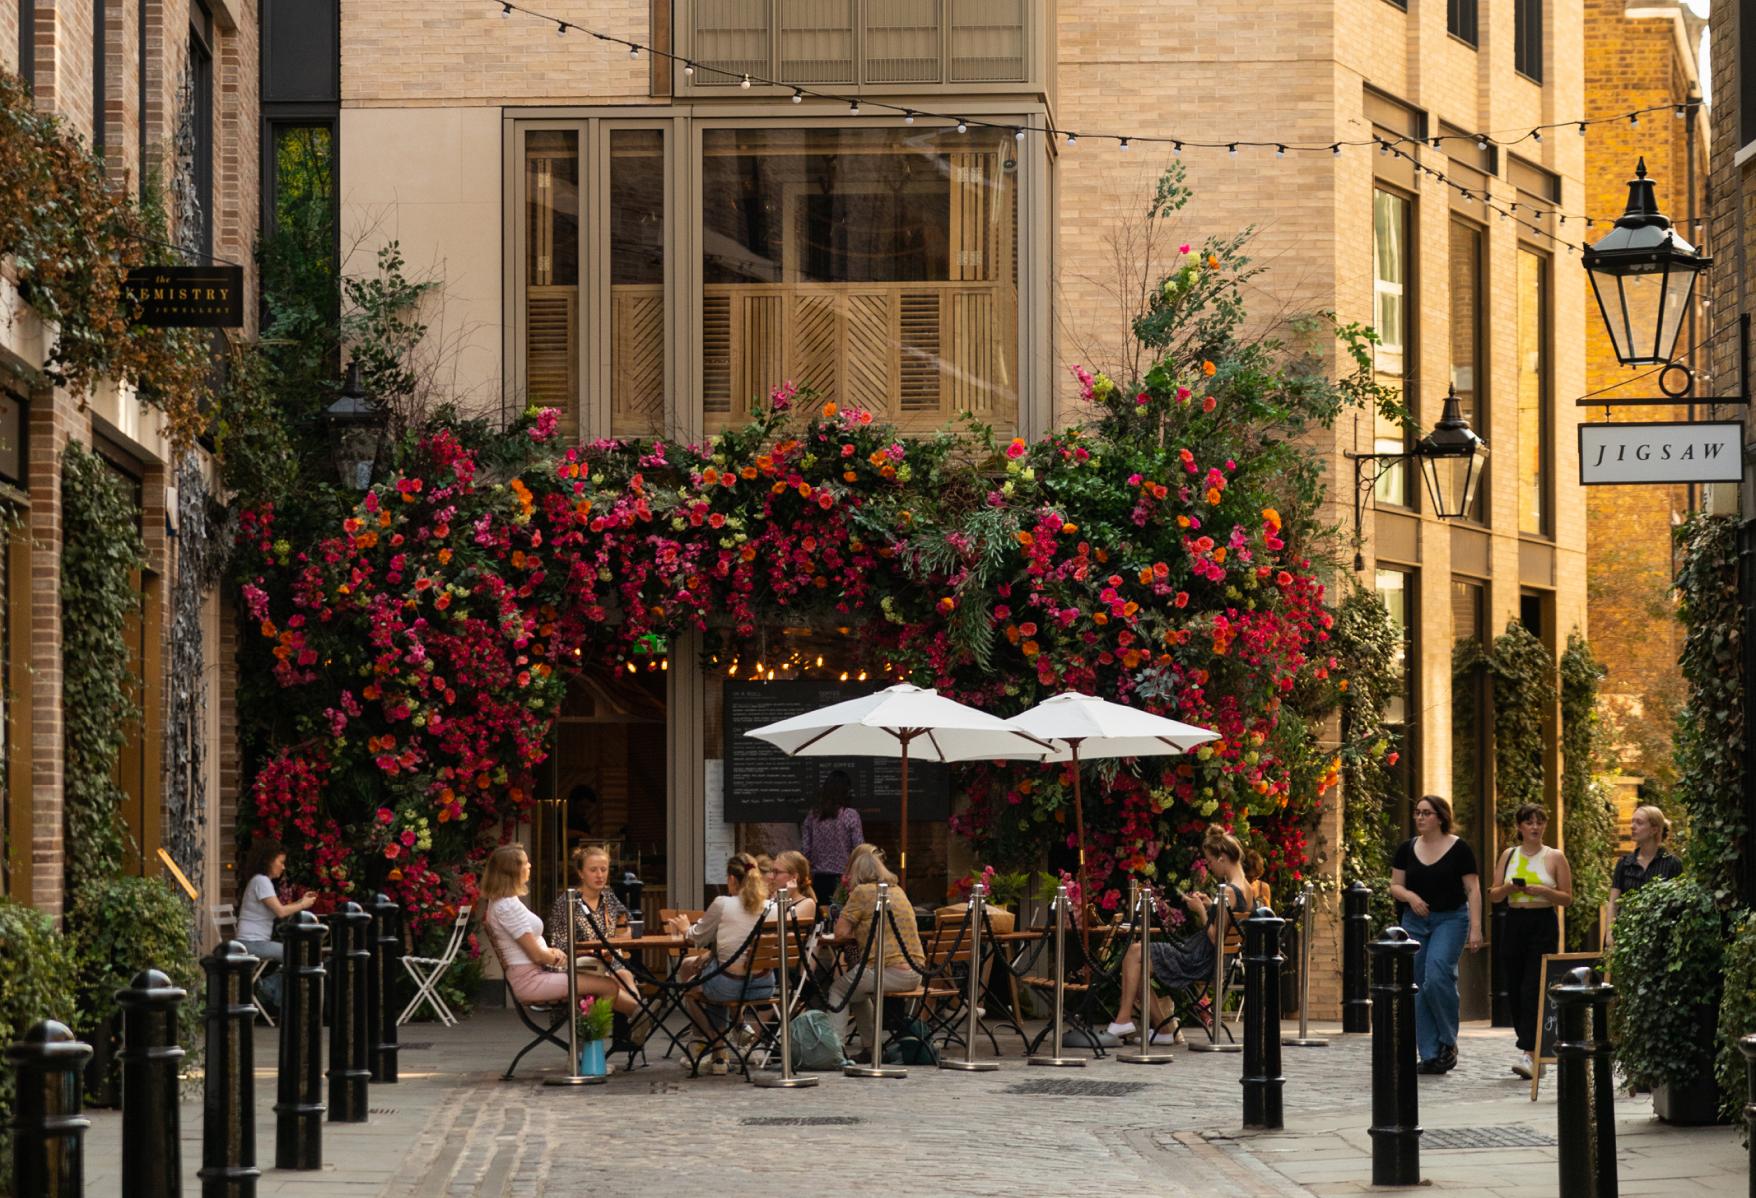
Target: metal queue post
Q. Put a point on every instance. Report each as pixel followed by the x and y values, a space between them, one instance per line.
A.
pixel 977 895
pixel 1143 901
pixel 1056 1057
pixel 881 913
pixel 785 1079
pixel 1222 910
pixel 1305 1039
pixel 573 1077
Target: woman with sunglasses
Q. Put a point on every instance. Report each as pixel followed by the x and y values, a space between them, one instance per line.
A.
pixel 1534 880
pixel 1438 893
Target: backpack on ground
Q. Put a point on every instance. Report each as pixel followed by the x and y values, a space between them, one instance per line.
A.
pixel 911 1047
pixel 815 1044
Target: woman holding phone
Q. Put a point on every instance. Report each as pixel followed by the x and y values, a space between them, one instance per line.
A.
pixel 1534 880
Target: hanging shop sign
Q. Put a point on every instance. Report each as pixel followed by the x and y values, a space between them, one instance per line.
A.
pixel 187 297
pixel 1685 452
pixel 765 785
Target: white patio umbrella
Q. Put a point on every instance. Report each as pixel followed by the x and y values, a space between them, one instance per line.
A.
pixel 1085 727
pixel 889 723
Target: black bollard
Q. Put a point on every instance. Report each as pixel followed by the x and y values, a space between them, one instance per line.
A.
pixel 1396 1126
pixel 381 974
pixel 1262 961
pixel 152 1157
pixel 1585 1100
pixel 348 1075
pixel 228 1093
pixel 1356 930
pixel 298 1108
pixel 48 1130
pixel 1747 1046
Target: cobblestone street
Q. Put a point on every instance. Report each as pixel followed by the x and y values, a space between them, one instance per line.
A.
pixel 450 1127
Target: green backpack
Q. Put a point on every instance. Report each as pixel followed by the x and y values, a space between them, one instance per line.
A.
pixel 911 1047
pixel 815 1044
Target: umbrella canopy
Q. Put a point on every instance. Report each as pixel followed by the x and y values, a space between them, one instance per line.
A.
pixel 1084 727
pixel 902 721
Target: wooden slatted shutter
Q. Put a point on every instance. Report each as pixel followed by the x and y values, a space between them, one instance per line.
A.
pixel 815 40
pixel 902 41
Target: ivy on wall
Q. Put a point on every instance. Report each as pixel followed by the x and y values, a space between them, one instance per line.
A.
pixel 1523 673
pixel 1588 816
pixel 101 550
pixel 1710 727
pixel 1365 644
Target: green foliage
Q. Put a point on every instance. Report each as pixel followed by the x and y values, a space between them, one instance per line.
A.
pixel 1589 818
pixel 1523 672
pixel 1365 643
pixel 36 982
pixel 101 551
pixel 1710 727
pixel 1737 1018
pixel 120 926
pixel 1667 961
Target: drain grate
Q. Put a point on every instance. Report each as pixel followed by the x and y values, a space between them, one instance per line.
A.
pixel 415 1045
pixel 800 1121
pixel 382 1110
pixel 1071 1088
pixel 1512 1135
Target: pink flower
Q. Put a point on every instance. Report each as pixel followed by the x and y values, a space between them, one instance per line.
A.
pixel 1017 449
pixel 1183 249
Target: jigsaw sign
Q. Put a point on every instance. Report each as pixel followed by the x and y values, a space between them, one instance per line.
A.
pixel 1625 453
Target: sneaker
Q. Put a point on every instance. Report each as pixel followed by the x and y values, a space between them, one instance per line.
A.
pixel 1522 1066
pixel 1447 1058
pixel 1167 1037
pixel 1432 1066
pixel 1120 1030
pixel 717 1067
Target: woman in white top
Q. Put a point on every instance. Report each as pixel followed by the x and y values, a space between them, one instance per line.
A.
pixel 1534 879
pixel 259 906
pixel 535 972
pixel 726 926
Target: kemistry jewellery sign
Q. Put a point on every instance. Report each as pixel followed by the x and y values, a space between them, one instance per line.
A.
pixel 188 297
pixel 1705 452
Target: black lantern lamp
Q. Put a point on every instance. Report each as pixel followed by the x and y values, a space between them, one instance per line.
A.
pixel 356 431
pixel 1644 276
pixel 1451 458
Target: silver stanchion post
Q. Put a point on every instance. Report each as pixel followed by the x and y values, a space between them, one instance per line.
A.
pixel 1305 1039
pixel 978 893
pixel 1222 907
pixel 1146 1056
pixel 880 912
pixel 783 903
pixel 1055 1058
pixel 573 1077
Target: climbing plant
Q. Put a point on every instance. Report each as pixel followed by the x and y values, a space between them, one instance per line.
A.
pixel 101 550
pixel 1710 727
pixel 1588 817
pixel 1365 646
pixel 1523 673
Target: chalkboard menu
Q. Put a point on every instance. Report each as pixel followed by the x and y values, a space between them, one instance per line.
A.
pixel 765 785
pixel 1555 968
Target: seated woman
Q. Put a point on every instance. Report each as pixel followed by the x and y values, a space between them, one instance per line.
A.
pixel 535 972
pixel 792 869
pixel 1184 962
pixel 865 871
pixel 599 915
pixel 259 906
pixel 1261 894
pixel 726 926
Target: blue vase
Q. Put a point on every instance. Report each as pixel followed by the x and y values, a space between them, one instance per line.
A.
pixel 591 1059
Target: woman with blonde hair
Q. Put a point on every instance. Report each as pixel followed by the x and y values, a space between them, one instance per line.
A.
pixel 598 916
pixel 535 972
pixel 1649 862
pixel 792 869
pixel 726 926
pixel 902 943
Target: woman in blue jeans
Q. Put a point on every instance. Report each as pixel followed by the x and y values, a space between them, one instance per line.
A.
pixel 1438 894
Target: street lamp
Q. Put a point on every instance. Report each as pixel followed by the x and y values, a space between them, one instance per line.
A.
pixel 1644 276
pixel 1451 459
pixel 356 430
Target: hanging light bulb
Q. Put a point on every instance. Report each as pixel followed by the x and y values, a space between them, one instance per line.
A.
pixel 1280 151
pixel 561 29
pixel 844 676
pixel 664 663
pixel 632 667
pixel 908 118
pixel 505 11
pixel 1536 135
pixel 820 661
pixel 854 107
pixel 1438 143
pixel 1681 111
pixel 962 125
pixel 1072 139
pixel 1336 149
pixel 1232 149
pixel 1634 119
pixel 798 96
pixel 862 675
pixel 1177 148
pixel 1582 128
pixel 1481 141
pixel 1124 143
pixel 1018 134
pixel 633 51
pixel 745 83
pixel 689 69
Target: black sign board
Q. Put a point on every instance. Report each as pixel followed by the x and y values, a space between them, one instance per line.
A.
pixel 1556 967
pixel 765 785
pixel 187 297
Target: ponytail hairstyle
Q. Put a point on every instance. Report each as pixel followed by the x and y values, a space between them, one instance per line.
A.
pixel 752 886
pixel 797 864
pixel 1654 816
pixel 1222 843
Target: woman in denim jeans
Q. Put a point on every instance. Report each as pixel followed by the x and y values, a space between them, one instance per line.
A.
pixel 1437 888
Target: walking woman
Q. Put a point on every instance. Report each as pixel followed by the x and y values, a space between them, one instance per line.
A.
pixel 1437 887
pixel 1534 879
pixel 1649 862
pixel 831 832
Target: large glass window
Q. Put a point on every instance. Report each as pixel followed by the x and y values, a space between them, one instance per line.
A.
pixel 1527 39
pixel 1396 591
pixel 876 266
pixel 1460 20
pixel 1535 448
pixel 1390 283
pixel 1467 367
pixel 1469 707
pixel 637 281
pixel 551 274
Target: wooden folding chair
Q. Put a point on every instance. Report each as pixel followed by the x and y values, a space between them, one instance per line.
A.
pixel 941 1000
pixel 1083 978
pixel 763 957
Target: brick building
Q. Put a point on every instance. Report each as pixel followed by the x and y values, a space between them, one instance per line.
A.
pixel 166 90
pixel 648 244
pixel 1641 56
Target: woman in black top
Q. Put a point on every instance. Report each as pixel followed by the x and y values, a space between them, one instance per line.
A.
pixel 1437 888
pixel 1649 862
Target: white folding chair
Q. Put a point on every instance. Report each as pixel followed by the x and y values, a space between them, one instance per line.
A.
pixel 225 926
pixel 427 971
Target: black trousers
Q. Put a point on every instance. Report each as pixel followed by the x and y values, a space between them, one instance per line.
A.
pixel 1528 933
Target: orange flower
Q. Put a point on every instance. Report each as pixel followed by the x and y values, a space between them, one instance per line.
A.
pixel 1213 495
pixel 1270 516
pixel 1030 648
pixel 710 476
pixel 445 557
pixel 1213 261
pixel 1069 529
pixel 268 628
pixel 1208 368
pixel 1219 555
pixel 1025 539
pixel 947 605
pixel 747 472
pixel 829 411
pixel 848 476
pixel 1100 618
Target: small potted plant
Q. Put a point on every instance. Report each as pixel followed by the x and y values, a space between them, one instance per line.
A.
pixel 592 1024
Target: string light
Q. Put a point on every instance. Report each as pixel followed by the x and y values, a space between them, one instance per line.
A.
pixel 962 125
pixel 1280 151
pixel 689 69
pixel 798 96
pixel 1232 150
pixel 1124 143
pixel 1682 111
pixel 854 107
pixel 1018 134
pixel 1536 135
pixel 908 118
pixel 1481 141
pixel 1336 149
pixel 505 12
pixel 1073 139
pixel 561 29
pixel 633 51
pixel 745 82
pixel 1634 119
pixel 1177 148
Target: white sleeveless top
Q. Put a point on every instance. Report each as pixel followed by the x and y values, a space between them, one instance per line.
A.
pixel 1534 871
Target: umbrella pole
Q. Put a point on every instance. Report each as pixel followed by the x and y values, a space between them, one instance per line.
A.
pixel 902 864
pixel 1079 834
